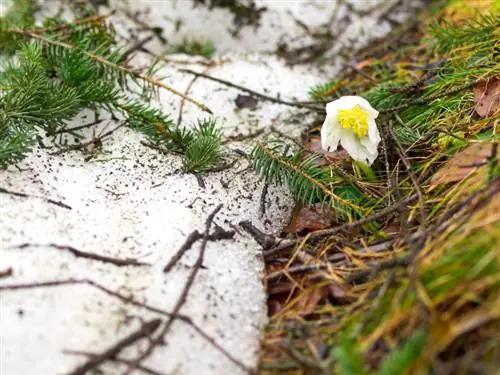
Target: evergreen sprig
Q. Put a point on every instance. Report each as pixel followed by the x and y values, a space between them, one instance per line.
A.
pixel 324 90
pixel 63 68
pixel 308 182
pixel 481 32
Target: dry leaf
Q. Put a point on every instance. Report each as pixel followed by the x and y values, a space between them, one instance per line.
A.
pixel 310 300
pixel 463 163
pixel 309 219
pixel 336 157
pixel 487 97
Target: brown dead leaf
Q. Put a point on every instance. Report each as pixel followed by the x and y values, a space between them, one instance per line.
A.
pixel 487 97
pixel 336 157
pixel 309 219
pixel 463 163
pixel 311 299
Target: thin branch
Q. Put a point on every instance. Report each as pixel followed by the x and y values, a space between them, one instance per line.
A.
pixel 94 141
pixel 404 158
pixel 219 234
pixel 83 254
pixel 252 92
pixel 345 227
pixel 6 273
pixel 190 240
pixel 144 369
pixel 186 92
pixel 145 331
pixel 24 195
pixel 106 62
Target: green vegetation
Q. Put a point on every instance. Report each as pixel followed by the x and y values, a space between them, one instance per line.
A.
pixel 418 290
pixel 60 68
pixel 194 47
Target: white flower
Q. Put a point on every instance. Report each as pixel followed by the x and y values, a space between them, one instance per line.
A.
pixel 350 120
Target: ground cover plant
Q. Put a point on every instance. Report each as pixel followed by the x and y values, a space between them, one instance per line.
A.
pixel 397 272
pixel 60 68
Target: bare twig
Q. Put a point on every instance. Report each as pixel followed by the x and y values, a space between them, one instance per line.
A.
pixel 145 331
pixel 190 240
pixel 345 227
pixel 95 141
pixel 144 369
pixel 219 234
pixel 186 92
pixel 135 47
pixel 87 255
pixel 24 195
pixel 402 154
pixel 6 273
pixel 264 240
pixel 252 92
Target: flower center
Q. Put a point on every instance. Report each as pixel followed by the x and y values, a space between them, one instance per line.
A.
pixel 356 119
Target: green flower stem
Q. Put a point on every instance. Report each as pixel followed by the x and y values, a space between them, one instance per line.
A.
pixel 367 170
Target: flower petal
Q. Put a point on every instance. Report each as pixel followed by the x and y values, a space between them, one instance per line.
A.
pixel 356 150
pixel 330 132
pixel 373 133
pixel 350 101
pixel 344 102
pixel 365 104
pixel 371 149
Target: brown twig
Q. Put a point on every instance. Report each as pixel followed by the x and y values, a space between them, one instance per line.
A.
pixel 264 240
pixel 190 240
pixel 404 158
pixel 24 195
pixel 80 127
pixel 6 273
pixel 219 234
pixel 87 255
pixel 345 227
pixel 186 92
pixel 145 331
pixel 252 92
pixel 95 141
pixel 106 62
pixel 135 47
pixel 144 369
pixel 121 297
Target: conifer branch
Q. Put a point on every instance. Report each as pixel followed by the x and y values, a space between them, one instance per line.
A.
pixel 305 179
pixel 110 64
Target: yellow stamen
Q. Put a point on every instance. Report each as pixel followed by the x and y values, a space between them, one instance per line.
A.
pixel 356 119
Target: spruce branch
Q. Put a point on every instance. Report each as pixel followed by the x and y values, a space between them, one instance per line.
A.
pixel 106 62
pixel 308 182
pixel 67 67
pixel 203 149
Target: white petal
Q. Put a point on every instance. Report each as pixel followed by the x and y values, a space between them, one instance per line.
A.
pixel 350 101
pixel 356 150
pixel 330 132
pixel 371 149
pixel 365 104
pixel 373 133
